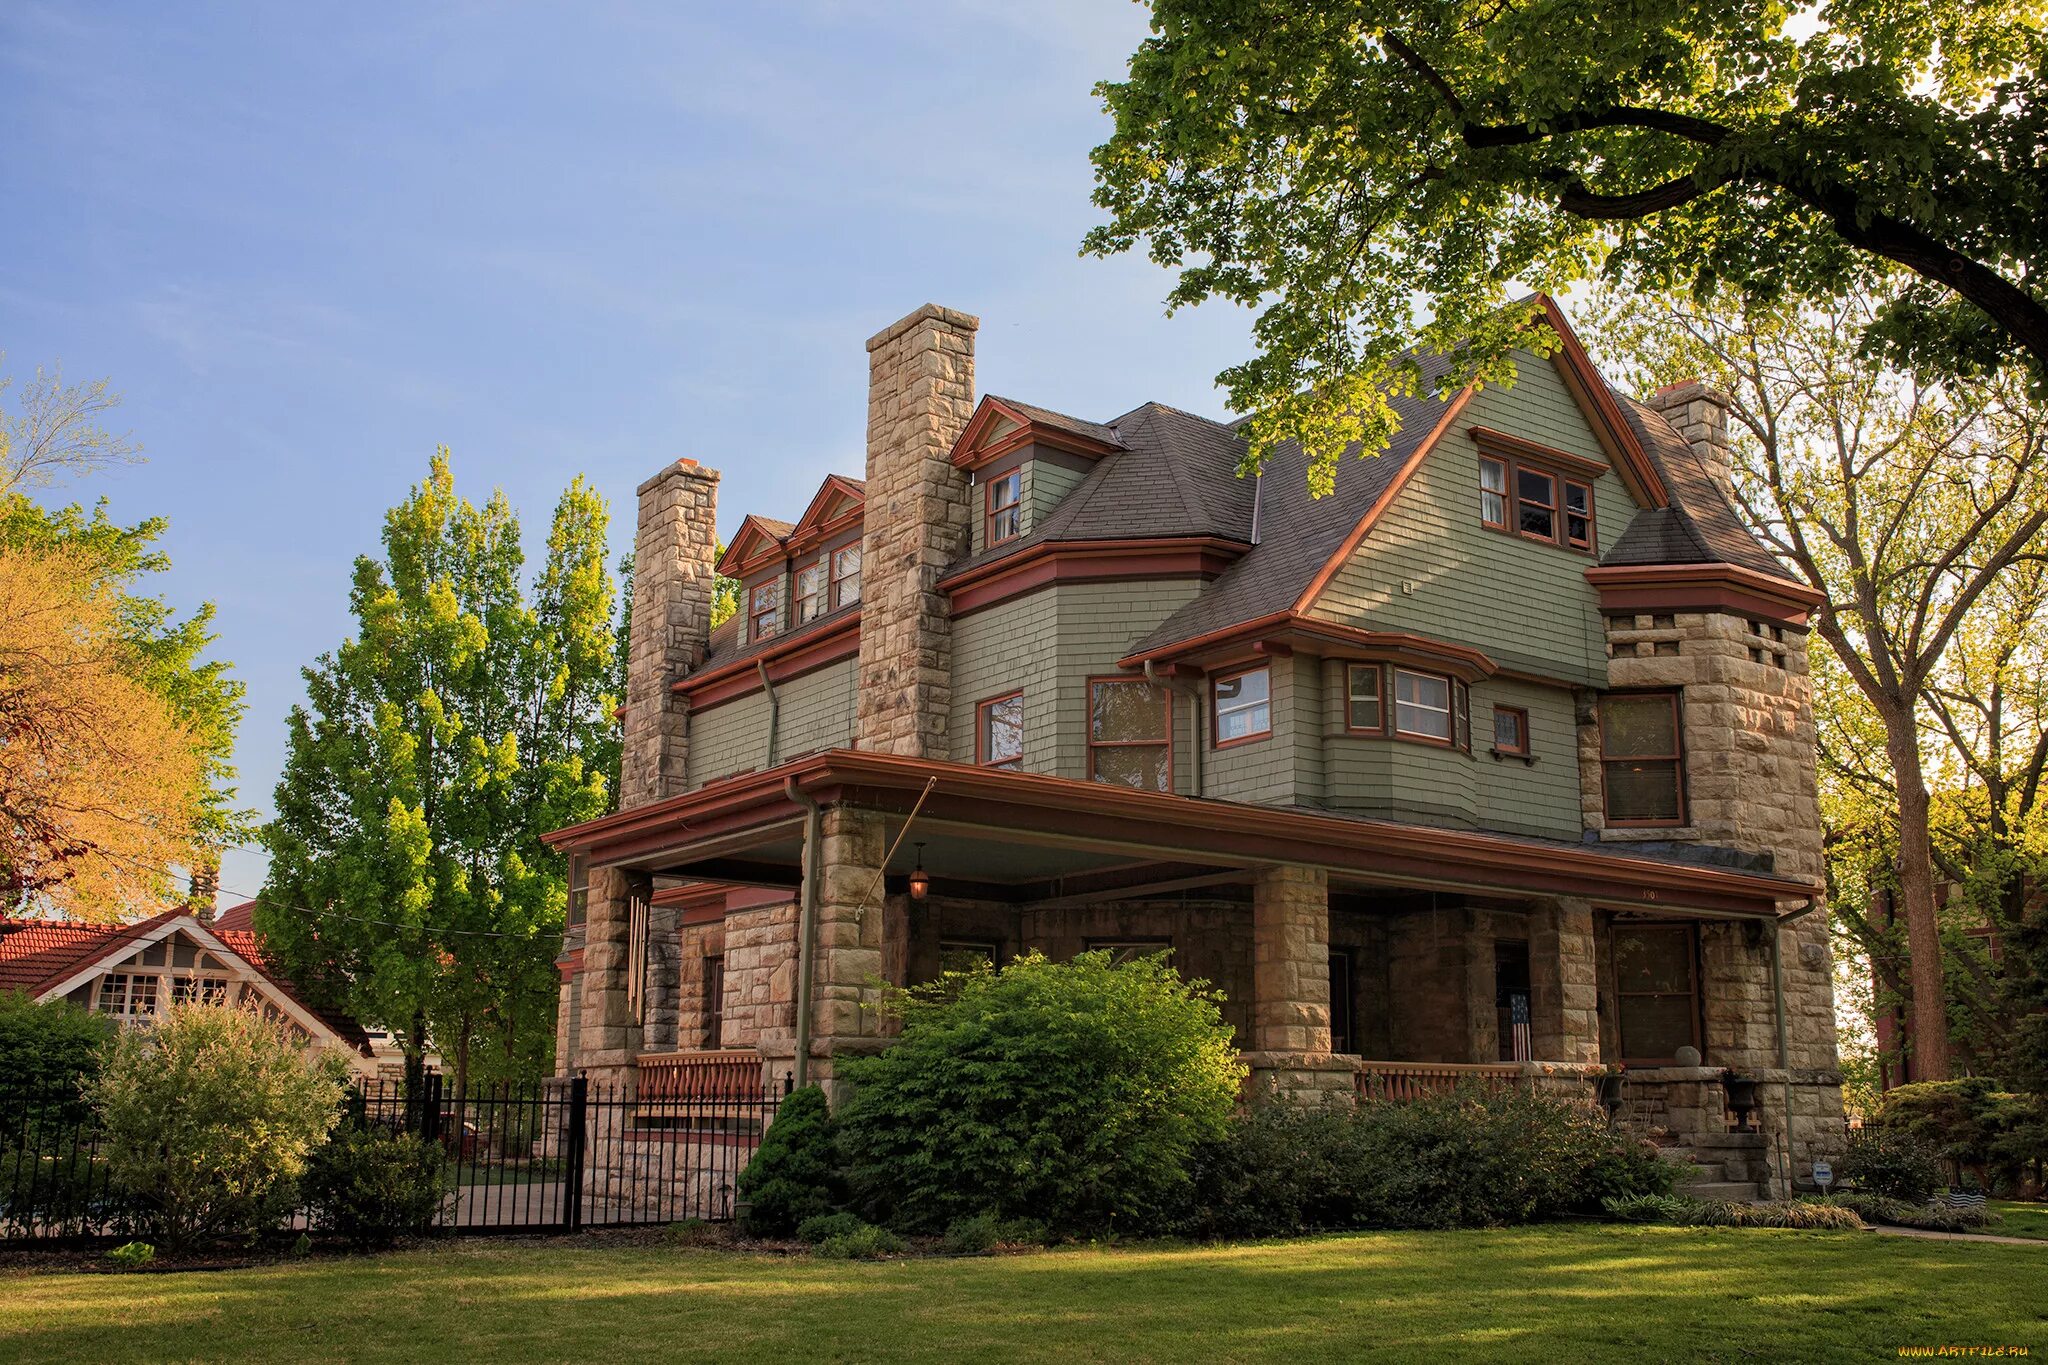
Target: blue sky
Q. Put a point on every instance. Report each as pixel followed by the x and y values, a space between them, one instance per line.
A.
pixel 308 249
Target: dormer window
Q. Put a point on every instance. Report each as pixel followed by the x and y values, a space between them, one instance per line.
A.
pixel 1005 507
pixel 810 592
pixel 1536 494
pixel 764 611
pixel 846 575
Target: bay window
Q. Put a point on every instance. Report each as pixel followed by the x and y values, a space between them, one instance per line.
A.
pixel 1422 706
pixel 1364 711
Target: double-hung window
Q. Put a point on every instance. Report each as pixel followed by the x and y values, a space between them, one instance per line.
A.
pixel 846 575
pixel 1641 758
pixel 1578 515
pixel 810 592
pixel 1493 492
pixel 1536 501
pixel 1001 733
pixel 1244 705
pixel 1547 500
pixel 1657 992
pixel 1129 727
pixel 764 611
pixel 1422 706
pixel 1005 506
pixel 1364 706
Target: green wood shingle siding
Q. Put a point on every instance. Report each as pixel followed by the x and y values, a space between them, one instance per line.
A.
pixel 1048 644
pixel 816 713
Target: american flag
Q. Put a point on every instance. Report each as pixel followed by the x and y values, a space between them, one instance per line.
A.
pixel 1518 1014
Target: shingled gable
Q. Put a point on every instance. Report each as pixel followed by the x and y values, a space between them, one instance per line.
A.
pixel 1002 425
pixel 758 541
pixel 835 507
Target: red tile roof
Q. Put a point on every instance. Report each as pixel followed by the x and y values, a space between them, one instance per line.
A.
pixel 38 955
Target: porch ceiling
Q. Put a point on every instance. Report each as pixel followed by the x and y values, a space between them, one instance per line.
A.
pixel 1031 833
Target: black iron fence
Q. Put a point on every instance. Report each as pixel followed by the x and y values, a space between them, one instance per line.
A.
pixel 549 1156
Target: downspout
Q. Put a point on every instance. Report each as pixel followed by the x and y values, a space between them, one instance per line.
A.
pixel 774 711
pixel 807 923
pixel 1194 695
pixel 1784 1044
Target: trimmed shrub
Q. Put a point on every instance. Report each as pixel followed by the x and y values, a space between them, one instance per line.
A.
pixel 374 1186
pixel 972 1236
pixel 825 1226
pixel 865 1243
pixel 1472 1159
pixel 1073 1092
pixel 1893 1163
pixel 48 1053
pixel 208 1118
pixel 794 1175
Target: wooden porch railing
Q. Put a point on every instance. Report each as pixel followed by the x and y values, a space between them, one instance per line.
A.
pixel 1401 1081
pixel 670 1078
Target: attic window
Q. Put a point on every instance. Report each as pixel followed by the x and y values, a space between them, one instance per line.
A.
pixel 764 611
pixel 846 575
pixel 1005 507
pixel 810 592
pixel 1547 503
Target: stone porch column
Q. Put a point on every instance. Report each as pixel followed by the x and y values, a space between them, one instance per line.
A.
pixel 850 935
pixel 610 1036
pixel 1564 991
pixel 1290 1057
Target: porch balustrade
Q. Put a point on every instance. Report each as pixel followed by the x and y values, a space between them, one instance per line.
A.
pixel 680 1087
pixel 1402 1081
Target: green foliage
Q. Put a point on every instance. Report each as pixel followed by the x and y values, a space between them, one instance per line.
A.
pixel 56 1184
pixel 1971 1124
pixel 1647 1208
pixel 821 1227
pixel 436 747
pixel 1892 1163
pixel 373 1186
pixel 132 1255
pixel 972 1236
pixel 207 1120
pixel 865 1243
pixel 1072 1092
pixel 1344 169
pixel 1467 1160
pixel 1798 1213
pixel 794 1174
pixel 1876 1208
pixel 48 1052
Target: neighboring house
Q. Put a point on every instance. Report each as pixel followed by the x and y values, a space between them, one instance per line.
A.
pixel 1501 756
pixel 135 972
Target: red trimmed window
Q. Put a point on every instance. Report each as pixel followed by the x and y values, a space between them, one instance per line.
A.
pixel 1493 492
pixel 810 592
pixel 1657 992
pixel 1365 711
pixel 764 611
pixel 1005 506
pixel 1000 730
pixel 1422 706
pixel 1535 502
pixel 846 575
pixel 1129 728
pixel 1642 764
pixel 1511 731
pixel 1241 706
pixel 1578 515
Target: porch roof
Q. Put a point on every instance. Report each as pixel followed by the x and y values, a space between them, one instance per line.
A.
pixel 747 830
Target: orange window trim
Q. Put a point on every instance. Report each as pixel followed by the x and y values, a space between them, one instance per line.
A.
pixel 1676 757
pixel 1386 720
pixel 981 710
pixel 1521 715
pixel 1450 710
pixel 1512 500
pixel 994 509
pixel 1166 703
pixel 1216 680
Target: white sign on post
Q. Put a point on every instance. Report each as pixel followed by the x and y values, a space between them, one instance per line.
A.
pixel 1823 1175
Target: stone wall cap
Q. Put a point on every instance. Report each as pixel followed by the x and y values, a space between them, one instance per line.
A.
pixel 958 321
pixel 1685 391
pixel 686 468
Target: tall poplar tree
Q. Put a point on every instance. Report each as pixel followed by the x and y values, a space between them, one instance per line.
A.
pixel 460 723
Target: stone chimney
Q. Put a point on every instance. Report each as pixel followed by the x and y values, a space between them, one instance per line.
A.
pixel 673 553
pixel 1700 415
pixel 918 521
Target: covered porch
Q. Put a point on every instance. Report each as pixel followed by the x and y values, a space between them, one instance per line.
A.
pixel 761 915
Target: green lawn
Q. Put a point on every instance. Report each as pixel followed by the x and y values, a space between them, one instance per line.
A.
pixel 1548 1294
pixel 2020 1220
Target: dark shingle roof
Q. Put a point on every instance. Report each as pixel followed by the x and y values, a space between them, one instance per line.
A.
pixel 1701 526
pixel 1094 431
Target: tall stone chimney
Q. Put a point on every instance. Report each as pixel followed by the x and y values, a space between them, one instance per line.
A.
pixel 918 521
pixel 1700 415
pixel 673 553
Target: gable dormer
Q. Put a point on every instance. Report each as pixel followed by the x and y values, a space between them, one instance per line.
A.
pixel 824 551
pixel 757 558
pixel 1023 460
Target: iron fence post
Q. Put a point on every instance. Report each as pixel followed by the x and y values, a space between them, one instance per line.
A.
pixel 572 1155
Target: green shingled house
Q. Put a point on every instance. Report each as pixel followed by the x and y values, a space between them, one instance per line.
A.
pixel 1497 762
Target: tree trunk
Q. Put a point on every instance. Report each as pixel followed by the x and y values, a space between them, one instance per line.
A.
pixel 1927 1010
